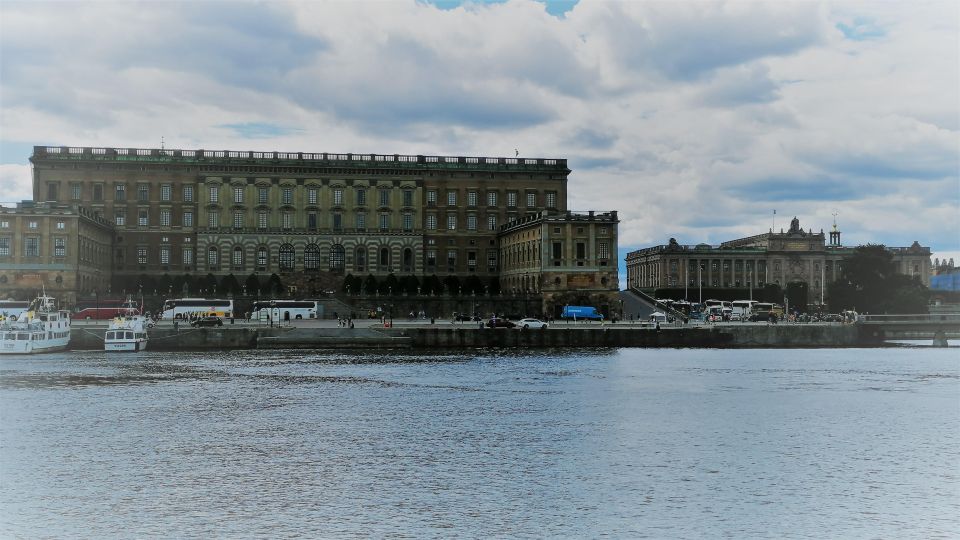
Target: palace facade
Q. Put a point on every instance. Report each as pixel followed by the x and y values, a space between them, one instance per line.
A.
pixel 769 258
pixel 220 212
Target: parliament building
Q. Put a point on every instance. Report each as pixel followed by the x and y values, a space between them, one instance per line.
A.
pixel 130 212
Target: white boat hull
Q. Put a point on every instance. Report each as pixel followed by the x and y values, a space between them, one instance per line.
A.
pixel 33 347
pixel 125 346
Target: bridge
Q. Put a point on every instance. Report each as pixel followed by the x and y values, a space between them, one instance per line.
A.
pixel 939 327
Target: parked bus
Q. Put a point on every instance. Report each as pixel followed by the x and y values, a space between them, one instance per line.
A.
pixel 287 309
pixel 13 309
pixel 742 309
pixel 581 312
pixel 186 308
pixel 104 308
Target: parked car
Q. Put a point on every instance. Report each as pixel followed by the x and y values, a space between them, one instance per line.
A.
pixel 463 317
pixel 500 323
pixel 207 321
pixel 531 323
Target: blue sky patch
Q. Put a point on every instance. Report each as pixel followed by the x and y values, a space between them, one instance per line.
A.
pixel 259 130
pixel 557 8
pixel 861 29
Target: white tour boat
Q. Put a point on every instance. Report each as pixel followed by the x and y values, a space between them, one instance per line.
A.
pixel 127 333
pixel 43 328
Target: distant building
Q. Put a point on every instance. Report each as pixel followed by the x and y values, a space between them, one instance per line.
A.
pixel 769 258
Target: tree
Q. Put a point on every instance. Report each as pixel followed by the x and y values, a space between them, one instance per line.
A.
pixel 352 284
pixel 274 285
pixel 165 284
pixel 473 285
pixel 797 293
pixel 211 284
pixel 869 283
pixel 390 285
pixel 410 284
pixel 452 285
pixel 431 285
pixel 370 284
pixel 493 289
pixel 230 285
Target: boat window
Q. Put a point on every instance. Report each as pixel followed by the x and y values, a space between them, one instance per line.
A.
pixel 128 335
pixel 23 337
pixel 109 335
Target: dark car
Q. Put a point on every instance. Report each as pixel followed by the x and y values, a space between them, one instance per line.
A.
pixel 207 321
pixel 500 323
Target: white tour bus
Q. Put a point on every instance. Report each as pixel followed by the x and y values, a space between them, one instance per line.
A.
pixel 185 308
pixel 13 309
pixel 285 310
pixel 742 309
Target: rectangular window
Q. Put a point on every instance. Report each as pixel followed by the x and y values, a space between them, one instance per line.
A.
pixel 557 250
pixel 286 196
pixel 61 225
pixel 361 221
pixel 4 246
pixel 337 221
pixel 143 218
pixel 213 220
pixel 431 222
pixel 262 220
pixel 361 197
pixel 187 193
pixel 431 258
pixel 384 222
pixel 214 194
pixel 52 191
pixel 262 257
pixel 408 222
pixel 431 197
pixel 452 222
pixel 581 250
pixel 188 255
pixel 472 261
pixel 188 218
pixel 59 247
pixel 312 196
pixel 76 190
pixel 384 197
pixel 263 195
pixel 165 217
pixel 287 220
pixel 312 221
pixel 603 250
pixel 471 222
pixel 237 194
pixel 512 199
pixel 141 255
pixel 491 198
pixel 166 192
pixel 98 192
pixel 143 192
pixel 451 198
pixel 338 197
pixel 451 260
pixel 32 225
pixel 492 223
pixel 120 192
pixel 238 220
pixel 164 255
pixel 238 258
pixel 408 197
pixel 31 246
pixel 4 224
pixel 491 260
pixel 471 198
pixel 213 256
pixel 531 199
pixel 551 199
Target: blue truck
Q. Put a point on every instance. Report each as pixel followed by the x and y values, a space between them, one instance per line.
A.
pixel 581 312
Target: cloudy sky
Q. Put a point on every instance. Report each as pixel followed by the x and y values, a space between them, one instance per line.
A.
pixel 695 120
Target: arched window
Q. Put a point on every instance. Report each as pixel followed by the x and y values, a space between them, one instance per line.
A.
pixel 360 259
pixel 337 257
pixel 311 258
pixel 384 258
pixel 287 257
pixel 238 257
pixel 213 256
pixel 408 260
pixel 262 257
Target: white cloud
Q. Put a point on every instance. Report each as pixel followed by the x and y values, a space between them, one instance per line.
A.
pixel 693 120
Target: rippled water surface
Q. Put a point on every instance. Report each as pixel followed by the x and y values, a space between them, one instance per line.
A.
pixel 625 443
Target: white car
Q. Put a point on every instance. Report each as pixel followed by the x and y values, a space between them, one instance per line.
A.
pixel 531 323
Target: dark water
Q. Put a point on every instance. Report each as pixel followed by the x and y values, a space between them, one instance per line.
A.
pixel 622 443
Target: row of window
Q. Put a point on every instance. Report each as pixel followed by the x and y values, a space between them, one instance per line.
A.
pixel 31 246
pixel 61 225
pixel 287 194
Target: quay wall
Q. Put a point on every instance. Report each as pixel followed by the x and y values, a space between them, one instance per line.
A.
pixel 444 337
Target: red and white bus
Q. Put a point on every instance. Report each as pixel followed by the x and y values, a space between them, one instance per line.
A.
pixel 104 308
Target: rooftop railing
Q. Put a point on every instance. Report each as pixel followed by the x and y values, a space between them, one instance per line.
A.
pixel 163 155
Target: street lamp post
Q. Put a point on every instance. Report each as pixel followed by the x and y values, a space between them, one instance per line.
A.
pixel 700 281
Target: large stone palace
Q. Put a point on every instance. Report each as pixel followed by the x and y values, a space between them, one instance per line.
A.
pixel 100 216
pixel 794 256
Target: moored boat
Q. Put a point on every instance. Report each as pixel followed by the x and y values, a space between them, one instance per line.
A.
pixel 43 328
pixel 127 333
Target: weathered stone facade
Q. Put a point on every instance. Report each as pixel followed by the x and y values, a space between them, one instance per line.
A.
pixel 62 248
